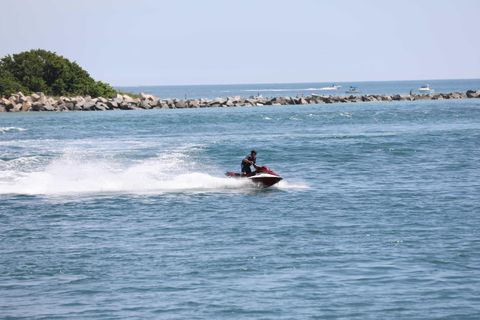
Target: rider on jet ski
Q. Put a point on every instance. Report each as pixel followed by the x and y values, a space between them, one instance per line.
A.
pixel 247 162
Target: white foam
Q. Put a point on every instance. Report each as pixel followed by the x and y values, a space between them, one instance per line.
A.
pixel 9 129
pixel 20 162
pixel 288 185
pixel 70 175
pixel 346 114
pixel 80 171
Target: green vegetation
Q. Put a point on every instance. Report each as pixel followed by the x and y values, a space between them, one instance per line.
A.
pixel 44 71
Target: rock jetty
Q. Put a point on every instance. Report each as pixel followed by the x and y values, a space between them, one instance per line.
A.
pixel 39 102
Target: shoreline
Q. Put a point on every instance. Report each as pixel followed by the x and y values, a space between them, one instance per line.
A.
pixel 37 102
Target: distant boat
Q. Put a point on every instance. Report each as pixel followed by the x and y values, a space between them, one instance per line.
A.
pixel 352 89
pixel 425 89
pixel 332 87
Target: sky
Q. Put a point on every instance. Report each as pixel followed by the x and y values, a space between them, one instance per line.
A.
pixel 148 42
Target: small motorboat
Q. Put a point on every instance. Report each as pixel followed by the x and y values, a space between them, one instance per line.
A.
pixel 352 89
pixel 263 177
pixel 425 89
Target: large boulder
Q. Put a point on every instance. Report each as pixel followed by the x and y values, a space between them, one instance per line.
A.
pixel 144 104
pixel 36 106
pixel 421 97
pixel 35 97
pixel 100 106
pixel 161 104
pixel 193 103
pixel 279 100
pixel 252 102
pixel 39 106
pixel 16 108
pixel 335 99
pixel 118 99
pixel 180 104
pixel 14 98
pixel 7 103
pixel 25 98
pixel 458 95
pixel 302 101
pixel 126 106
pixel 49 107
pixel 89 104
pixel 68 105
pixel 216 102
pixel 43 98
pixel 26 106
pixel 112 104
pixel 473 94
pixel 61 107
pixel 144 96
pixel 368 98
pixel 79 102
pixel 236 99
pixel 128 99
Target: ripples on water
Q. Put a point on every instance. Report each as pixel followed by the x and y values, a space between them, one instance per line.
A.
pixel 127 214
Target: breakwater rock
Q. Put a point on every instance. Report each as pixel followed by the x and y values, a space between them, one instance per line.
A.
pixel 39 102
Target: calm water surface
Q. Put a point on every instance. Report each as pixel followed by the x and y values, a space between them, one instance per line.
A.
pixel 298 89
pixel 116 215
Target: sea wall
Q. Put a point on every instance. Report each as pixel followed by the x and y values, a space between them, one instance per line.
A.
pixel 39 102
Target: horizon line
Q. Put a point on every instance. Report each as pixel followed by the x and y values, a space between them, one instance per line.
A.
pixel 295 82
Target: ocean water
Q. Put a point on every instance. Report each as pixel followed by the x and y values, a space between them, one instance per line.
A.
pixel 127 214
pixel 299 89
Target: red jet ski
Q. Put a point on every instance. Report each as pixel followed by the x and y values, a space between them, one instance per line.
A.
pixel 262 177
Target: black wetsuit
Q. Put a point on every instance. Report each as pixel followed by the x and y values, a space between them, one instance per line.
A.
pixel 245 166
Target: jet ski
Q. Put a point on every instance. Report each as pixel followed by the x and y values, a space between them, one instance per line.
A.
pixel 263 177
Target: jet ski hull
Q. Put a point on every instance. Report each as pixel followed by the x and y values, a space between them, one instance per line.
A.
pixel 263 180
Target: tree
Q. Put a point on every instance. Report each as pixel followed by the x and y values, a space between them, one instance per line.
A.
pixel 9 85
pixel 44 71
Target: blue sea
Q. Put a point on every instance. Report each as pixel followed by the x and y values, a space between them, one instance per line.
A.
pixel 128 214
pixel 303 89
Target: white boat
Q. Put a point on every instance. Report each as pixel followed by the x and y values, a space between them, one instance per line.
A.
pixel 332 87
pixel 425 88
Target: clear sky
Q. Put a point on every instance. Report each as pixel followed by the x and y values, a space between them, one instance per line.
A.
pixel 148 42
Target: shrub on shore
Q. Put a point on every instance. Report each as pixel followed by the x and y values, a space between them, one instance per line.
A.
pixel 44 71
